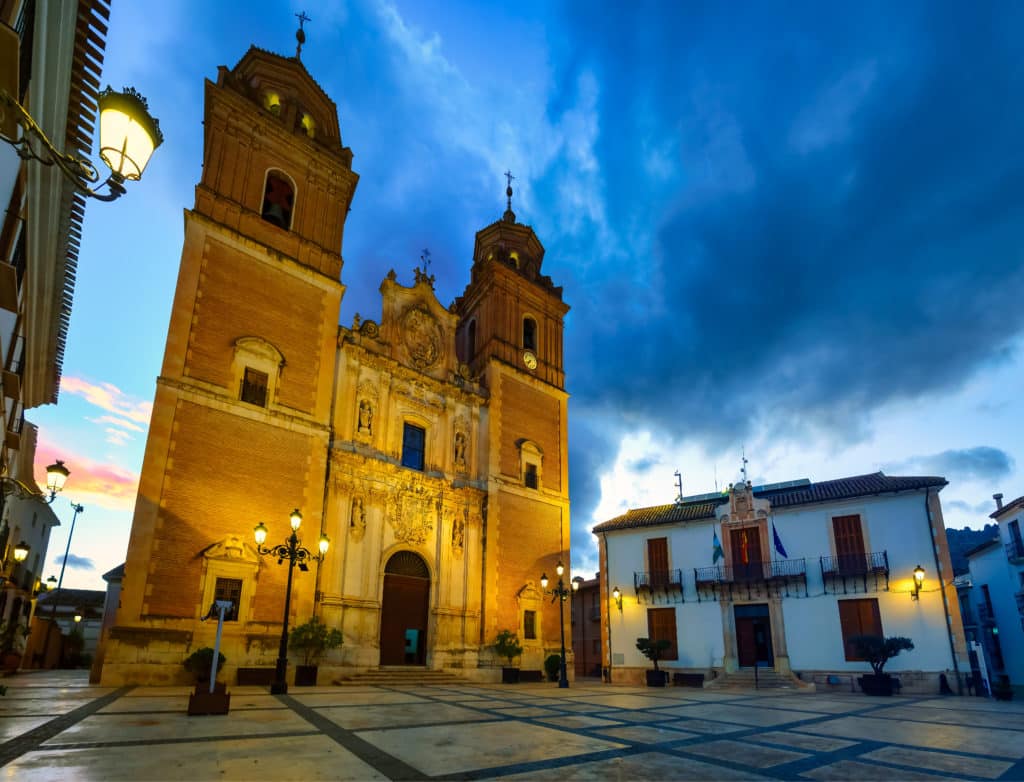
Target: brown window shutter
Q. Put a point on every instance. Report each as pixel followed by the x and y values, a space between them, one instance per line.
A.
pixel 657 560
pixel 661 625
pixel 858 617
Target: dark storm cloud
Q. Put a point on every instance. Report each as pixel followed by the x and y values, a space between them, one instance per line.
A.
pixel 840 226
pixel 77 563
pixel 980 463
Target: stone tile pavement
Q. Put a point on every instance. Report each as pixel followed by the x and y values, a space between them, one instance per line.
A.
pixel 54 726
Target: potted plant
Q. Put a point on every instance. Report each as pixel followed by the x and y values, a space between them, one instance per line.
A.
pixel 877 651
pixel 12 644
pixel 202 701
pixel 507 645
pixel 652 650
pixel 312 640
pixel 553 667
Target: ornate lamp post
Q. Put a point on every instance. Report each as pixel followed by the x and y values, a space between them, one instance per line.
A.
pixel 560 593
pixel 296 554
pixel 128 137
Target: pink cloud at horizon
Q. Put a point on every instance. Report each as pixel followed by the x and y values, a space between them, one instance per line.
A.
pixel 106 485
pixel 109 397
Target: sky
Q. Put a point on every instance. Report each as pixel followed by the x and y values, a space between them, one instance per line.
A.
pixel 786 230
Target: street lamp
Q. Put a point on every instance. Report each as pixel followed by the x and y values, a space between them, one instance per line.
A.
pixel 21 552
pixel 560 593
pixel 64 563
pixel 128 137
pixel 296 554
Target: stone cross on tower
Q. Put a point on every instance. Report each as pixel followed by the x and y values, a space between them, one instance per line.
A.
pixel 300 34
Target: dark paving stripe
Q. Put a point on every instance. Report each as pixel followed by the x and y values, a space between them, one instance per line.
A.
pixel 30 741
pixel 194 739
pixel 386 764
pixel 1015 772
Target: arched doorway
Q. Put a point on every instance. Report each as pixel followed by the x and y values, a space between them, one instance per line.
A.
pixel 404 610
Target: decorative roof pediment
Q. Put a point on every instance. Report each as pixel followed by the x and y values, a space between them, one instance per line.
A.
pixel 232 549
pixel 418 328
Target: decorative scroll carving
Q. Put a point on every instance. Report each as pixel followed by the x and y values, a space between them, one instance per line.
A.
pixel 422 336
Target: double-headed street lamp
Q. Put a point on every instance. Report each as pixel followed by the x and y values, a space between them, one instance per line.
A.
pixel 560 593
pixel 296 554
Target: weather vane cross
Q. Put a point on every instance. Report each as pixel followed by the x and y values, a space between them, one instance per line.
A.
pixel 679 485
pixel 300 34
pixel 508 190
pixel 425 257
pixel 744 470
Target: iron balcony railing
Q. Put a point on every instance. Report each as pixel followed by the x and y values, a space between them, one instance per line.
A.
pixel 1015 549
pixel 658 579
pixel 755 571
pixel 856 564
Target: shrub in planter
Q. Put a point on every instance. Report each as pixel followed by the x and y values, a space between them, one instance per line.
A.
pixel 202 701
pixel 653 650
pixel 200 661
pixel 877 651
pixel 553 667
pixel 506 644
pixel 312 640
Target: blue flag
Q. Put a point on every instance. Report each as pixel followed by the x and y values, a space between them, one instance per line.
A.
pixel 716 551
pixel 778 542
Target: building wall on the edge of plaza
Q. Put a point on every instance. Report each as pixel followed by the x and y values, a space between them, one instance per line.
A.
pixel 896 524
pixel 992 568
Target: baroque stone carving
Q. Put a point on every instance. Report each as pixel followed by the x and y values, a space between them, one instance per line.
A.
pixel 422 336
pixel 357 520
pixel 410 513
pixel 458 534
pixel 365 417
pixel 365 410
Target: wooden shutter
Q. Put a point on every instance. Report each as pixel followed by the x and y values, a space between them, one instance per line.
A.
pixel 661 625
pixel 858 617
pixel 657 560
pixel 849 544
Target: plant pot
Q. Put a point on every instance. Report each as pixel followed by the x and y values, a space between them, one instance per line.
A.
pixel 202 701
pixel 871 684
pixel 510 676
pixel 305 675
pixel 11 661
pixel 656 678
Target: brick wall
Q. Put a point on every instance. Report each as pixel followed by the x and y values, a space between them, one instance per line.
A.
pixel 529 413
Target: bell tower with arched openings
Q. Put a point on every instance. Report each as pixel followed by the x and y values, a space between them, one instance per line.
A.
pixel 246 383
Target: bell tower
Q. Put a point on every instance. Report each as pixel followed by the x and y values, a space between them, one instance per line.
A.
pixel 241 417
pixel 510 335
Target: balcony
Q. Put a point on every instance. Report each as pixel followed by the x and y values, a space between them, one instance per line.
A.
pixel 1015 551
pixel 758 579
pixel 655 583
pixel 846 573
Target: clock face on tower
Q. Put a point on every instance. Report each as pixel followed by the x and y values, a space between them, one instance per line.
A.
pixel 530 360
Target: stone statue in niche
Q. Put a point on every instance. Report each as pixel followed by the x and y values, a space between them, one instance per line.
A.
pixel 357 524
pixel 460 450
pixel 365 417
pixel 458 534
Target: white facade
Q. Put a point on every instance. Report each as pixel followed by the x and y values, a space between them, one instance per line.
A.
pixel 798 598
pixel 997 597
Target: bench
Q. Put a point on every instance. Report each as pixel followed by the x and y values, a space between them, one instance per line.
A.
pixel 688 679
pixel 256 676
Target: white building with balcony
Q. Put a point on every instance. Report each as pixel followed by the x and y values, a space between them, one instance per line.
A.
pixel 781 577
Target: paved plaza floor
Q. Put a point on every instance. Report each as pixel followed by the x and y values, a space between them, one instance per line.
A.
pixel 54 726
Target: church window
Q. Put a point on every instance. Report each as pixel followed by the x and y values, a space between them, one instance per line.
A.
pixel 308 125
pixel 254 387
pixel 229 589
pixel 278 200
pixel 272 102
pixel 413 446
pixel 530 476
pixel 529 334
pixel 471 341
pixel 530 625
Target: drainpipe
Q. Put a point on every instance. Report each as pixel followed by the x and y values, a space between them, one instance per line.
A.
pixel 942 589
pixel 607 609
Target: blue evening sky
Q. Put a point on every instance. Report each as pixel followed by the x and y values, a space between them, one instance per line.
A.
pixel 790 228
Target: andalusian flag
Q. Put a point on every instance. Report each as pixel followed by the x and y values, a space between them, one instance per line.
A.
pixel 716 551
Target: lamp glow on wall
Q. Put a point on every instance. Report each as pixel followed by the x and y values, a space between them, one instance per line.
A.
pixel 128 137
pixel 918 581
pixel 617 597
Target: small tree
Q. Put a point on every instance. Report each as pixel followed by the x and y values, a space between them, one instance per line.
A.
pixel 652 649
pixel 553 667
pixel 507 645
pixel 313 639
pixel 201 660
pixel 877 651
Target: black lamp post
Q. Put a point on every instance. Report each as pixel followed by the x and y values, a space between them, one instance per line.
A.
pixel 56 595
pixel 560 593
pixel 296 554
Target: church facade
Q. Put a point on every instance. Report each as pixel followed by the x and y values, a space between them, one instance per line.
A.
pixel 429 446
